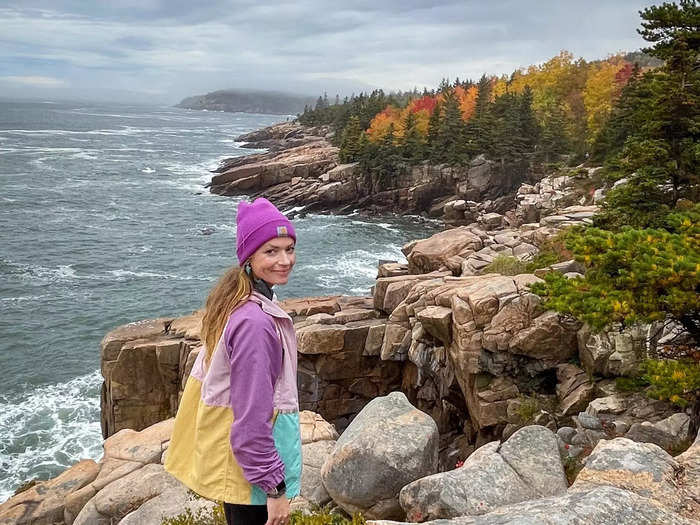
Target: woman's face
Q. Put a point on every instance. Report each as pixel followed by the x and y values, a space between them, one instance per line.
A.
pixel 274 260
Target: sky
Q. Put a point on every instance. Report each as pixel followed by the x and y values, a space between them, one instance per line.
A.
pixel 164 50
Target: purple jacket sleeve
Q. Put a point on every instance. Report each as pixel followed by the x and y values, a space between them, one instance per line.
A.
pixel 255 354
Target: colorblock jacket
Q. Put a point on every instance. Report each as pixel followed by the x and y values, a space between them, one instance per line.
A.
pixel 236 433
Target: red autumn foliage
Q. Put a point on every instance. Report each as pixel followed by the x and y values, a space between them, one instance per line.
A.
pixel 424 103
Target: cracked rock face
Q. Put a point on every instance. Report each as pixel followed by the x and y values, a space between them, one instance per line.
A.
pixel 525 467
pixel 389 444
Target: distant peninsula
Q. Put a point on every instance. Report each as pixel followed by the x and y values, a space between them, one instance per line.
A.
pixel 249 101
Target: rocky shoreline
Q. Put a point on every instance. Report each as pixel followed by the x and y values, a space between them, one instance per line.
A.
pixel 450 393
pixel 301 169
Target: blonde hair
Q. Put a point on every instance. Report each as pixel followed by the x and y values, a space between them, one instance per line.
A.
pixel 231 290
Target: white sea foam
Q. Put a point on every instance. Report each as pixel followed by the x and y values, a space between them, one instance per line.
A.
pixel 383 225
pixel 25 298
pixel 294 209
pixel 34 271
pixel 211 228
pixel 45 430
pixel 148 169
pixel 354 267
pixel 123 275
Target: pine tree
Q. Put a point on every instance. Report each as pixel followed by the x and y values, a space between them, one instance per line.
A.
pixel 529 127
pixel 449 146
pixel 319 104
pixel 660 157
pixel 482 123
pixel 507 140
pixel 433 132
pixel 349 145
pixel 388 157
pixel 553 139
pixel 411 143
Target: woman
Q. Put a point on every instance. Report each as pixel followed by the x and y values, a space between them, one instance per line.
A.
pixel 236 436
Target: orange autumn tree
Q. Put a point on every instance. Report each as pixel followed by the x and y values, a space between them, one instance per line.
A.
pixel 421 108
pixel 467 101
pixel 382 121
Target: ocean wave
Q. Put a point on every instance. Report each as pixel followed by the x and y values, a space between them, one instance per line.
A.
pixel 353 268
pixel 383 225
pixel 66 273
pixel 123 275
pixel 46 274
pixel 45 430
pixel 26 298
pixel 124 131
pixel 208 229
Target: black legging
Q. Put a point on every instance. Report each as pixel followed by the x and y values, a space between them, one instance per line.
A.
pixel 245 514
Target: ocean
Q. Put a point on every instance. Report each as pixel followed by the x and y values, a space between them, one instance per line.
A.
pixel 104 220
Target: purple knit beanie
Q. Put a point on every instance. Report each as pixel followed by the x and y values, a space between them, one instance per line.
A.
pixel 256 224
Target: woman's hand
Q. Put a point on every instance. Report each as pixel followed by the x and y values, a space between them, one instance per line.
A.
pixel 277 511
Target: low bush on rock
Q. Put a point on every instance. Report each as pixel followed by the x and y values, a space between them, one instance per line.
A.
pixel 506 265
pixel 217 517
pixel 675 381
pixel 528 408
pixel 631 384
pixel 324 517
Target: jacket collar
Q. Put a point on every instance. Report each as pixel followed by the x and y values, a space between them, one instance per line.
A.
pixel 268 306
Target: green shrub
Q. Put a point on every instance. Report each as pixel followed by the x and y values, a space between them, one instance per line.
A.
pixel 217 517
pixel 528 408
pixel 552 251
pixel 675 381
pixel 506 265
pixel 542 260
pixel 324 517
pixel 631 384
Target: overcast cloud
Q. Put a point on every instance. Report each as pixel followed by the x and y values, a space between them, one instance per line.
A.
pixel 164 50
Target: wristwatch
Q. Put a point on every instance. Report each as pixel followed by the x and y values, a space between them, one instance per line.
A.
pixel 278 491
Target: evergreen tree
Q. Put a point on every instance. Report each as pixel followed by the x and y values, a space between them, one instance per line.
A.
pixel 529 128
pixel 411 143
pixel 319 104
pixel 449 145
pixel 506 135
pixel 480 133
pixel 433 132
pixel 553 141
pixel 660 157
pixel 349 145
pixel 388 157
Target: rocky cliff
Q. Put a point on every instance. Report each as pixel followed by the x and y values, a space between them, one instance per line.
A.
pixel 302 169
